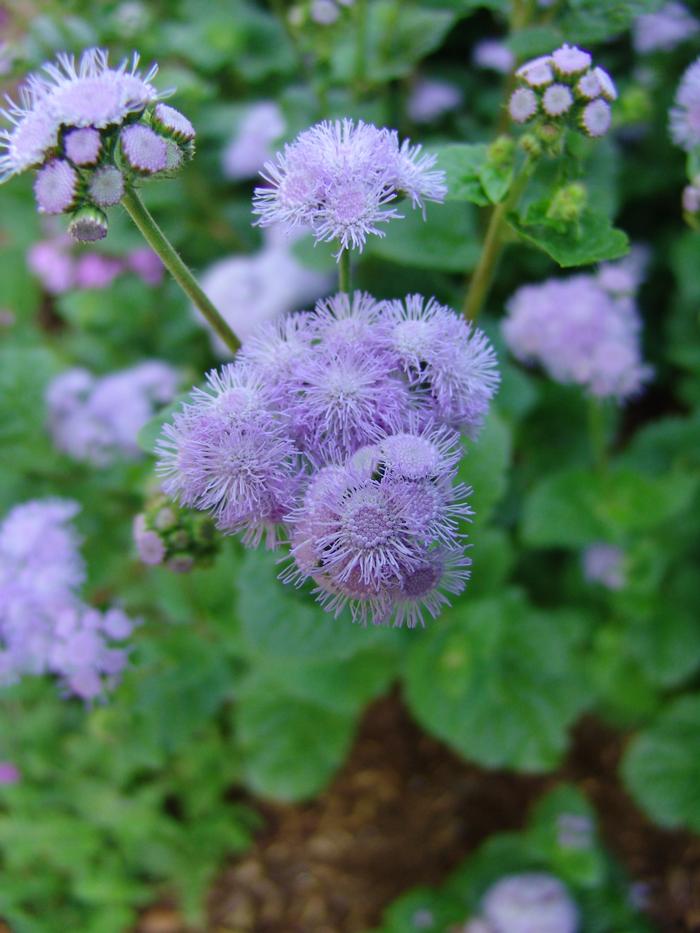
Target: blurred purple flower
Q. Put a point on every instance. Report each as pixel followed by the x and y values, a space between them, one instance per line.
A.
pixel 9 773
pixel 530 902
pixel 146 264
pixel 663 30
pixel 52 263
pixel 95 270
pixel 685 114
pixel 431 98
pixel 251 146
pixel 494 55
pixel 604 564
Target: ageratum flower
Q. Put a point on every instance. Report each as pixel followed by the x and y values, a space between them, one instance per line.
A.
pixel 250 148
pixel 45 627
pixel 341 180
pixel 685 114
pixel 97 419
pixel 430 99
pixel 527 902
pixel 579 333
pixel 663 30
pixel 564 86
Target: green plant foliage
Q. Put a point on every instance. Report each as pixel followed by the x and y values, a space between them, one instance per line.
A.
pixel 590 239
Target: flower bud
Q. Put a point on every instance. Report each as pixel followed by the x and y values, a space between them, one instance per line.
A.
pixel 106 186
pixel 88 224
pixel 56 187
pixel 179 538
pixel 568 203
pixel 501 152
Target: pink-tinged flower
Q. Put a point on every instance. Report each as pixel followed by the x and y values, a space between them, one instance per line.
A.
pixel 557 99
pixel 570 60
pixel 446 358
pixel 275 350
pixel 95 270
pixel 228 452
pixel 9 773
pixel 339 179
pixel 342 322
pixel 251 147
pixel 430 99
pixel 530 902
pixel 663 30
pixel 97 419
pixel 523 104
pixel 144 149
pixel 596 118
pixel 494 55
pixel 427 586
pixel 685 114
pixel 56 187
pixel 579 333
pixel 604 564
pixel 537 72
pixel 82 146
pixel 106 186
pixel 149 544
pixel 52 263
pixel 146 264
pixel 173 123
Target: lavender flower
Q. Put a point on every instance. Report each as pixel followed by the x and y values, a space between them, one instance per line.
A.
pixel 44 625
pixel 95 270
pixel 9 773
pixel 564 86
pixel 494 55
pixel 530 902
pixel 176 537
pixel 82 146
pixel 663 30
pixel 604 564
pixel 143 149
pixel 251 147
pixel 443 355
pixel 430 99
pixel 52 263
pixel 685 114
pixel 249 290
pixel 579 333
pixel 96 420
pixel 146 264
pixel 228 452
pixel 56 187
pixel 339 180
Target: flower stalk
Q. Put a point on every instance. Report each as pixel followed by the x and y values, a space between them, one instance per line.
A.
pixel 344 272
pixel 172 261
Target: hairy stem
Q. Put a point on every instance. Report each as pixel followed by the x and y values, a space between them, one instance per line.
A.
pixel 160 244
pixel 344 272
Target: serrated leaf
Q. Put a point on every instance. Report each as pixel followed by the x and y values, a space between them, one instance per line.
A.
pixel 462 164
pixel 592 239
pixel 661 766
pixel 498 681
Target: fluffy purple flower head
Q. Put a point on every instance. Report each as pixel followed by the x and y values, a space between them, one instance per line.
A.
pixel 570 60
pixel 530 903
pixel 427 586
pixel 86 93
pixel 251 147
pixel 342 322
pixel 604 564
pixel 685 114
pixel 430 99
pixel 579 333
pixel 276 350
pixel 97 420
pixel 339 179
pixel 596 118
pixel 144 149
pixel 494 55
pixel 51 262
pixel 663 30
pixel 443 355
pixel 557 99
pixel 228 452
pixel 56 187
pixel 82 146
pixel 523 104
pixel 173 123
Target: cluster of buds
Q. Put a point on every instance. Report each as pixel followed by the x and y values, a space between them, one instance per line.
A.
pixel 564 88
pixel 91 132
pixel 179 538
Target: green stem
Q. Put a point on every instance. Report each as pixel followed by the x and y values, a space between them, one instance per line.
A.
pixel 493 245
pixel 344 272
pixel 160 244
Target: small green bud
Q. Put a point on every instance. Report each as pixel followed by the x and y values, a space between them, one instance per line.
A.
pixel 568 203
pixel 531 145
pixel 501 152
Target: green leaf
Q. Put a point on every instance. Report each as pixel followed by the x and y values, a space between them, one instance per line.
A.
pixel 661 766
pixel 291 748
pixel 446 240
pixel 485 464
pixel 498 681
pixel 153 428
pixel 577 507
pixel 588 21
pixel 462 164
pixel 592 239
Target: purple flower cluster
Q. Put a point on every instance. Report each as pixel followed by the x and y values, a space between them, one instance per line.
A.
pixel 178 538
pixel 564 86
pixel 249 149
pixel 583 330
pixel 96 419
pixel 431 98
pixel 665 29
pixel 342 179
pixel 533 902
pixel 338 429
pixel 604 564
pixel 685 114
pixel 90 130
pixel 60 268
pixel 45 627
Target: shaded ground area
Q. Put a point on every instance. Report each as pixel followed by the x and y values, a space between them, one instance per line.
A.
pixel 405 811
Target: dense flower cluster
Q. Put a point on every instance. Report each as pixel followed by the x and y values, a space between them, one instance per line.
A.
pixel 338 429
pixel 685 114
pixel 564 86
pixel 663 30
pixel 533 902
pixel 342 179
pixel 45 627
pixel 90 130
pixel 166 534
pixel 60 268
pixel 96 419
pixel 583 329
pixel 248 290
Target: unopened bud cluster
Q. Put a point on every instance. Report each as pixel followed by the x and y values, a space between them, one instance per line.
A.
pixel 91 131
pixel 564 89
pixel 179 538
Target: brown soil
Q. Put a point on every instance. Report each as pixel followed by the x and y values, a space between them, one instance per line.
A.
pixel 405 811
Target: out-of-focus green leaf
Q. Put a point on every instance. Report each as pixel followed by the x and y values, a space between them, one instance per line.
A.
pixel 591 239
